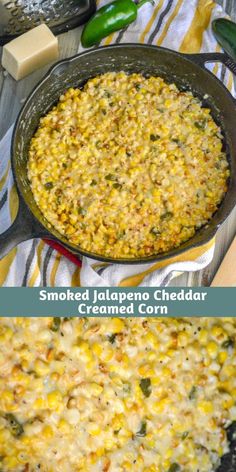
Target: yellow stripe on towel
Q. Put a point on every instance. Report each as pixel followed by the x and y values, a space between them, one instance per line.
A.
pixel 4 178
pixel 13 202
pixel 54 269
pixel 192 41
pixel 36 270
pixel 5 265
pixel 75 279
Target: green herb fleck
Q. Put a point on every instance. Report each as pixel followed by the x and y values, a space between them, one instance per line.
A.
pixel 143 430
pixel 110 177
pixel 145 385
pixel 93 182
pixel 64 165
pixel 167 215
pixel 116 185
pixel 15 427
pixel 155 231
pixel 82 211
pixel 185 435
pixel 217 165
pixel 48 185
pixel 154 137
pixel 201 124
pixel 175 467
pixel 56 323
pixel 117 431
pixel 121 235
pixel 176 140
pixel 137 86
pixel 128 153
pixel 192 393
pixel 112 338
pixel 228 343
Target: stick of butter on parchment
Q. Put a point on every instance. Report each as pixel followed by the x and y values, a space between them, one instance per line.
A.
pixel 30 51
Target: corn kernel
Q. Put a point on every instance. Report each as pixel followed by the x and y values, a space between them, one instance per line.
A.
pixel 41 368
pixel 7 397
pixel 216 331
pixel 159 406
pixel 39 403
pixel 212 349
pixel 222 357
pixel 183 338
pixel 96 389
pixel 116 325
pixel 228 403
pixel 93 429
pixel 228 370
pixel 203 336
pixel 97 349
pixel 205 406
pixel 54 399
pixel 47 432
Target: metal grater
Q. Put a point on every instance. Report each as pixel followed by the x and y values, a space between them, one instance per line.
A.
pixel 19 16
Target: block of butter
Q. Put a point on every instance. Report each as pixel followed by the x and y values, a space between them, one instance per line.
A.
pixel 30 51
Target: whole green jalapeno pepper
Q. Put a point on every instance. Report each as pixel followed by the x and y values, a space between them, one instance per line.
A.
pixel 225 33
pixel 110 18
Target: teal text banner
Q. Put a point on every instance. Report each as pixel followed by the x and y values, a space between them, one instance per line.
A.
pixel 121 302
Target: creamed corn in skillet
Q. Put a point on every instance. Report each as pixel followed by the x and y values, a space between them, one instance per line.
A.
pixel 116 395
pixel 129 166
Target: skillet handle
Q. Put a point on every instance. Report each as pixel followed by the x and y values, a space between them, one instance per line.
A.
pixel 202 58
pixel 24 227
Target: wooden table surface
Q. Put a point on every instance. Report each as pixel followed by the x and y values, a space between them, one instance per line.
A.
pixel 13 94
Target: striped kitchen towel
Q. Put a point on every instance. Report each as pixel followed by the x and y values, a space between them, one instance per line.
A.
pixel 183 25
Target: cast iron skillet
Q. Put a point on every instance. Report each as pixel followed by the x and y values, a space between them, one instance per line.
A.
pixel 187 71
pixel 228 461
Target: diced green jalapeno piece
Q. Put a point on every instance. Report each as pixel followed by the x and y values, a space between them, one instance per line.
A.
pixel 112 337
pixel 154 137
pixel 110 177
pixel 143 430
pixel 167 215
pixel 14 426
pixel 192 393
pixel 175 467
pixel 82 211
pixel 201 124
pixel 48 185
pixel 56 323
pixel 145 385
pixel 117 185
pixel 228 343
pixel 155 231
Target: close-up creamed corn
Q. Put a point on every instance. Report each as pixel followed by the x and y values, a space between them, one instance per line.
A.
pixel 116 395
pixel 128 166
